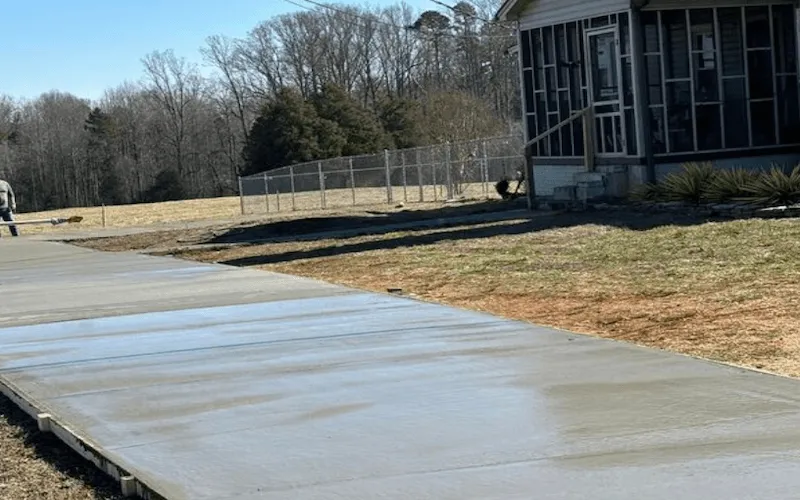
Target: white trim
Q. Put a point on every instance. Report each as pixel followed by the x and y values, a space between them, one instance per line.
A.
pixel 590 60
pixel 720 84
pixel 773 61
pixel 797 46
pixel 692 79
pixel 746 63
pixel 522 83
pixel 728 150
pixel 635 40
pixel 664 97
pixel 709 4
pixel 588 10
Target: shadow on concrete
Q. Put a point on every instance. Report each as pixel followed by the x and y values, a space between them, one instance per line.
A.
pixel 50 449
pixel 525 224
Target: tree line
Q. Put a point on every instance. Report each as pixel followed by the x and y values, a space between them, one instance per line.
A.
pixel 326 81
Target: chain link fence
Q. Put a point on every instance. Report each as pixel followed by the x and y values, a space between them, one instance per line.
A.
pixel 432 173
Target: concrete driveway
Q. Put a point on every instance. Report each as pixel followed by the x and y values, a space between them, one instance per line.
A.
pixel 194 381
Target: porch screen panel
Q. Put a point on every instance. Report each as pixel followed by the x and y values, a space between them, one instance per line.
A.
pixel 721 78
pixel 786 73
pixel 556 86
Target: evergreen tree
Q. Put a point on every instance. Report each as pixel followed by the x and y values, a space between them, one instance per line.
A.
pixel 403 120
pixel 102 157
pixel 361 127
pixel 289 131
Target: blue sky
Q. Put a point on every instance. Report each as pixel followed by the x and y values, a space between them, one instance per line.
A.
pixel 86 46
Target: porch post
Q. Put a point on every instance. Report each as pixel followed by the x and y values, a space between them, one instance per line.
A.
pixel 530 185
pixel 644 133
pixel 530 181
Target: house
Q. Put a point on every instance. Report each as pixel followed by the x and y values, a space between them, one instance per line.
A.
pixel 654 84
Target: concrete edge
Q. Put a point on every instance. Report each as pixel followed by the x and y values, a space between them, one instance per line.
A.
pixel 630 345
pixel 352 289
pixel 130 486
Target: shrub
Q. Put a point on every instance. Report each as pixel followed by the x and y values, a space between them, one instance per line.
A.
pixel 691 184
pixel 730 185
pixel 647 192
pixel 775 187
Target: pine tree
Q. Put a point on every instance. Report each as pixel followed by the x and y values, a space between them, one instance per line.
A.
pixel 102 158
pixel 289 131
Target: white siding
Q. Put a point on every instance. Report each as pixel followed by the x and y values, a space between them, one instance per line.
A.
pixel 547 12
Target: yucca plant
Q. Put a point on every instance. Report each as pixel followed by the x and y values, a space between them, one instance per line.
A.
pixel 647 192
pixel 729 185
pixel 690 184
pixel 775 187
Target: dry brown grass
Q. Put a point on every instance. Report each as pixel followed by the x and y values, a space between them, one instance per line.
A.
pixel 145 214
pixel 226 209
pixel 36 466
pixel 726 291
pixel 340 198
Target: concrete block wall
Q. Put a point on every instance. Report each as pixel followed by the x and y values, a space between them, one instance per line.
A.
pixel 549 177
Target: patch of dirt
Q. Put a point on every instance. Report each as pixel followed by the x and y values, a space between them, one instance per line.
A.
pixel 286 226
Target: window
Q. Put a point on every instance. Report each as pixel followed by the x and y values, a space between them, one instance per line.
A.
pixel 757 27
pixel 704 56
pixel 673 25
pixel 784 42
pixel 605 84
pixel 788 110
pixel 525 40
pixel 721 78
pixel 759 72
pixel 732 43
pixel 679 116
pixel 735 112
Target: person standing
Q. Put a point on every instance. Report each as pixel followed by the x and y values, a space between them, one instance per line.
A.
pixel 8 205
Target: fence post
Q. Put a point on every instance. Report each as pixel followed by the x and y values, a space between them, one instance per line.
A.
pixel 266 192
pixel 291 183
pixel 405 176
pixel 485 170
pixel 241 195
pixel 388 176
pixel 434 181
pixel 321 184
pixel 449 158
pixel 352 179
pixel 278 199
pixel 419 177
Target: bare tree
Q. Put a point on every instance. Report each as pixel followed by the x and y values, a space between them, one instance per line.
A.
pixel 175 86
pixel 301 38
pixel 438 75
pixel 226 56
pixel 263 61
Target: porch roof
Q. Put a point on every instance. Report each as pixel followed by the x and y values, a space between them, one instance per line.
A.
pixel 511 9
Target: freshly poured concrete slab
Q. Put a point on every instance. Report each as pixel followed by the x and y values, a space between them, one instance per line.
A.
pixel 42 282
pixel 312 391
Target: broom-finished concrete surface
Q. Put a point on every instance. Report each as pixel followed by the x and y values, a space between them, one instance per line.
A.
pixel 207 382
